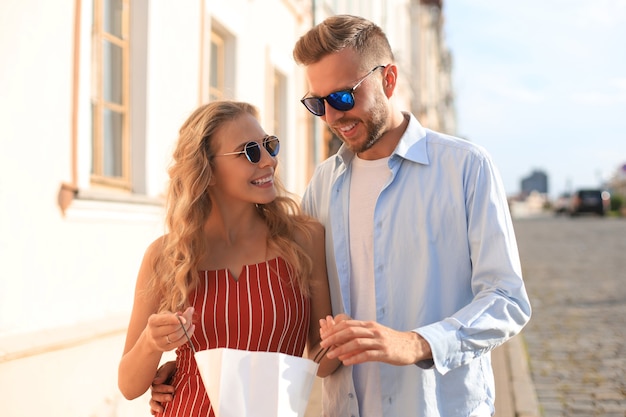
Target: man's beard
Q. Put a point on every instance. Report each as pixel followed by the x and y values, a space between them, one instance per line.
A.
pixel 375 127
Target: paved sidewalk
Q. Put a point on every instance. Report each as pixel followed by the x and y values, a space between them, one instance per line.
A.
pixel 574 272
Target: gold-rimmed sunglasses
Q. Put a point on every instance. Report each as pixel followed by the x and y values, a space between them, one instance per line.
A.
pixel 252 149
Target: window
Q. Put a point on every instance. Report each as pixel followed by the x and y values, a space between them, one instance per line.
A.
pixel 110 94
pixel 217 70
pixel 279 97
pixel 217 62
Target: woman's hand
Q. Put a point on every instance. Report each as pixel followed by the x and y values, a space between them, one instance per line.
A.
pixel 164 330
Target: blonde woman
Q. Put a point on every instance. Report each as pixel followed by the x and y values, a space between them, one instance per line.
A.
pixel 240 267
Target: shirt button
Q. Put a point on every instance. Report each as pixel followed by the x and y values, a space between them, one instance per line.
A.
pixel 350 395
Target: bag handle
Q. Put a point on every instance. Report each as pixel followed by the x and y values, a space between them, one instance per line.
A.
pixel 185 331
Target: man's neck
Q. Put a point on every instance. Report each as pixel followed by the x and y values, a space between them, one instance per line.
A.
pixel 385 146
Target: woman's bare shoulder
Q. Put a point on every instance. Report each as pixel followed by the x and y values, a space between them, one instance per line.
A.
pixel 155 249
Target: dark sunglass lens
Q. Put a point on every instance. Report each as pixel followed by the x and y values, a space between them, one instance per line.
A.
pixel 272 145
pixel 314 105
pixel 341 100
pixel 253 152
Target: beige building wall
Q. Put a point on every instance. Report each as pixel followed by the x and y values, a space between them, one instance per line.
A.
pixel 67 277
pixel 68 270
pixel 434 101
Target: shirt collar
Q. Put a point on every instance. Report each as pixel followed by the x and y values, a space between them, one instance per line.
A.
pixel 412 144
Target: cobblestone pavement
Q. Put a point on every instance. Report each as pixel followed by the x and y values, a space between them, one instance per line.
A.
pixel 575 273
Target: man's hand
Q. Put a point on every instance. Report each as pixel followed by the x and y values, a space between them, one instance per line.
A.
pixel 161 390
pixel 355 341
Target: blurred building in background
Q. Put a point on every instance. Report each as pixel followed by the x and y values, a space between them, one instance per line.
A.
pixel 93 95
pixel 537 181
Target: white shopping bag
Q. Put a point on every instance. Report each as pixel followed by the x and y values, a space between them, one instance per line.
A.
pixel 256 384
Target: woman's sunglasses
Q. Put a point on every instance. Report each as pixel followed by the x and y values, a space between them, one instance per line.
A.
pixel 339 100
pixel 252 149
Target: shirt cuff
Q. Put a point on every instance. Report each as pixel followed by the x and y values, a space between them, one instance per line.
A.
pixel 444 344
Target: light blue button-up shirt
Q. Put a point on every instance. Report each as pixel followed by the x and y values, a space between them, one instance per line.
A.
pixel 446 266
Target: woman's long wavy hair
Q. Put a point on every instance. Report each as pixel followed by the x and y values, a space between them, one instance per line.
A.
pixel 189 205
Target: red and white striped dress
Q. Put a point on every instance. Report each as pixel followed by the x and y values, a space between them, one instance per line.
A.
pixel 262 310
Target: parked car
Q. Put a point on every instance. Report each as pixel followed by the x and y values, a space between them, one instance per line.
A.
pixel 590 201
pixel 562 204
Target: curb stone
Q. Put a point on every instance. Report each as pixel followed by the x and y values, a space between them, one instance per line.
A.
pixel 524 393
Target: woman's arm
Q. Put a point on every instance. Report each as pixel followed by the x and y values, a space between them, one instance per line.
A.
pixel 149 334
pixel 320 299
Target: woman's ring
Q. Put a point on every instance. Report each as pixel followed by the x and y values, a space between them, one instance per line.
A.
pixel 167 337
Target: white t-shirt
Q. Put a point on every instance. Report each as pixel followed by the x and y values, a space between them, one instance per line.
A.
pixel 367 180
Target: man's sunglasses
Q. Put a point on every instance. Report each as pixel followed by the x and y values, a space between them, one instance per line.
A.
pixel 339 100
pixel 252 149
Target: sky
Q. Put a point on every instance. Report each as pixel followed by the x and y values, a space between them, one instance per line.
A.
pixel 541 84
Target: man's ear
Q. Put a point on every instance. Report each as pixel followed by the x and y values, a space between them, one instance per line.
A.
pixel 390 78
